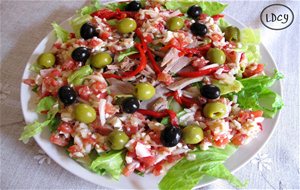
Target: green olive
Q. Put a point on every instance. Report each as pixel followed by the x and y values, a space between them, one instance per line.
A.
pixel 144 91
pixel 117 139
pixel 126 25
pixel 100 60
pixel 215 55
pixel 175 23
pixel 46 60
pixel 192 134
pixel 84 113
pixel 232 34
pixel 214 110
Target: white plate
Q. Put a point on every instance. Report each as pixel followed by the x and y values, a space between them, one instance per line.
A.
pixel 236 161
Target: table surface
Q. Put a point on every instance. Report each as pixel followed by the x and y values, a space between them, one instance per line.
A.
pixel 25 23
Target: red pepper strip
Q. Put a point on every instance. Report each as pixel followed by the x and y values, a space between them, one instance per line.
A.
pixel 189 102
pixel 173 117
pixel 198 50
pixel 164 113
pixel 141 66
pixel 198 73
pixel 151 113
pixel 108 75
pixel 217 17
pixel 109 14
pixel 155 66
pixel 176 96
pixel 144 41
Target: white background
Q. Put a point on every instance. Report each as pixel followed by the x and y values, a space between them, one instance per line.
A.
pixel 25 23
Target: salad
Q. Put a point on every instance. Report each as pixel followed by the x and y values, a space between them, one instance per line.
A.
pixel 158 87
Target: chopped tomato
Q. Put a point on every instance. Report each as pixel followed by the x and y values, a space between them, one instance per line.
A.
pixel 216 37
pixel 199 63
pixel 65 127
pixel 97 87
pixel 104 35
pixel 59 140
pixel 221 141
pixel 173 158
pixel 103 130
pixel 74 148
pixel 93 43
pixel 29 82
pixel 89 140
pixel 258 113
pixel 110 109
pixel 130 129
pixel 128 170
pixel 68 65
pixel 165 78
pixel 84 92
pixel 253 69
pixel 157 170
pixel 155 137
pixel 147 161
pixel 239 139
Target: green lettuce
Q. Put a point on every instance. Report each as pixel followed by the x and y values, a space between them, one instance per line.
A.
pixel 89 9
pixel 187 173
pixel 111 162
pixel 223 24
pixel 61 33
pixel 37 127
pixel 126 53
pixel 45 104
pixel 258 96
pixel 208 7
pixel 80 73
pixel 250 40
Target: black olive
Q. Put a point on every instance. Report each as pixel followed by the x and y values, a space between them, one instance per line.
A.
pixel 194 11
pixel 88 31
pixel 81 54
pixel 130 105
pixel 170 136
pixel 133 6
pixel 67 95
pixel 198 29
pixel 210 91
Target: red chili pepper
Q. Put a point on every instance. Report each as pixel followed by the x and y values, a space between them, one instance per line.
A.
pixel 141 66
pixel 144 41
pixel 217 17
pixel 109 14
pixel 151 113
pixel 108 75
pixel 198 73
pixel 176 96
pixel 189 102
pixel 161 114
pixel 173 117
pixel 155 66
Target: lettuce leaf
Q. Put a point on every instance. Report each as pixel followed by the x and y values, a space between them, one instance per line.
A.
pixel 35 68
pixel 111 162
pixel 225 88
pixel 45 104
pixel 221 172
pixel 61 33
pixel 187 173
pixel 126 53
pixel 223 24
pixel 208 7
pixel 250 40
pixel 80 73
pixel 258 96
pixel 37 127
pixel 87 10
